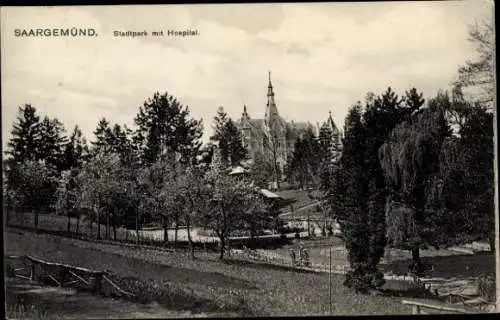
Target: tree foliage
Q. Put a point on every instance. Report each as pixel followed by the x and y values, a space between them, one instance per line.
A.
pixel 31 186
pixel 103 137
pixel 466 184
pixel 330 149
pixel 52 142
pixel 229 139
pixel 304 164
pixel 164 126
pixel 359 189
pixel 98 181
pixel 231 203
pixel 24 143
pixel 261 170
pixel 410 160
pixel 480 74
pixel 76 150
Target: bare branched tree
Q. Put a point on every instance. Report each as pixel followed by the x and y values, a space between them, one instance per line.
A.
pixel 479 75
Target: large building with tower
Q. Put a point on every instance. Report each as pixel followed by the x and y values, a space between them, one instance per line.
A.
pixel 271 136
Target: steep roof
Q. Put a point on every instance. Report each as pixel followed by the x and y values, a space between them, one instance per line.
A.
pixel 257 123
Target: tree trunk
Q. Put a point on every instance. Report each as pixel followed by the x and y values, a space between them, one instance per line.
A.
pixel 22 218
pixel 36 220
pixel 415 254
pixel 7 216
pixel 176 229
pixel 222 245
pixel 115 219
pixel 98 224
pixel 78 224
pixel 91 218
pixel 308 226
pixel 137 225
pixel 191 245
pixel 165 230
pixel 107 224
pixel 68 227
pixel 492 241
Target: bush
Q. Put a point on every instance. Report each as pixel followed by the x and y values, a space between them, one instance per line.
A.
pixel 486 288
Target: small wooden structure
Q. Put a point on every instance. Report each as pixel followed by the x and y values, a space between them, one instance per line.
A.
pixel 63 275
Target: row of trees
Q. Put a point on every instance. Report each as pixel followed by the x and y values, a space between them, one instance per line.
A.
pixel 414 174
pixel 130 177
pixel 314 158
pixel 407 180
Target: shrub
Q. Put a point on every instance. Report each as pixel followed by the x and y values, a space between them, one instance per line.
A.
pixel 486 287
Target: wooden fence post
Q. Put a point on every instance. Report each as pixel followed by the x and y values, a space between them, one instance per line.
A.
pixel 33 270
pixel 416 309
pixel 98 283
pixel 63 275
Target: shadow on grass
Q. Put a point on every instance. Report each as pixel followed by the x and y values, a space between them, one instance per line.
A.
pixel 404 289
pixel 264 265
pixel 175 298
pixel 125 265
pixel 183 245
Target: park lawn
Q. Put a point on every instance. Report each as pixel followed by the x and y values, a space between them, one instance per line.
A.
pixel 54 222
pixel 207 284
pixel 447 264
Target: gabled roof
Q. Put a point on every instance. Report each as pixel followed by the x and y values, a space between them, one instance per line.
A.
pixel 257 123
pixel 238 170
pixel 268 194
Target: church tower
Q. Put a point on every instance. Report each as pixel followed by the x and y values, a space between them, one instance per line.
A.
pixel 271 109
pixel 275 130
pixel 245 127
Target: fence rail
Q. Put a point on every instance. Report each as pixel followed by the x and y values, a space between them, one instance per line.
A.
pixel 62 274
pixel 422 307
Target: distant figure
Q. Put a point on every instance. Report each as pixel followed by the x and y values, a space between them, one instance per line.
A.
pixel 305 258
pixel 293 256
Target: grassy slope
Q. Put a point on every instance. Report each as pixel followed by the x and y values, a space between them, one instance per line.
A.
pixel 456 265
pixel 206 284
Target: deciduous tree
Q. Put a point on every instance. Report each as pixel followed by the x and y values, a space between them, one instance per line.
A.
pixel 410 160
pixel 479 75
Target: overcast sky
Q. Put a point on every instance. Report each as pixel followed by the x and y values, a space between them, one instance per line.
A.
pixel 322 57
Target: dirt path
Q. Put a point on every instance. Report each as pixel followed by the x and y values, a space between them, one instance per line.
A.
pixel 64 303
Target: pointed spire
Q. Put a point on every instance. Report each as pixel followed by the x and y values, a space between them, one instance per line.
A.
pixel 245 115
pixel 270 91
pixel 271 109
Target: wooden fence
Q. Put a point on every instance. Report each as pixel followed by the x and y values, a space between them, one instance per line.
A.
pixel 62 275
pixel 437 307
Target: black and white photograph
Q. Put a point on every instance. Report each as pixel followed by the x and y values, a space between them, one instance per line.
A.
pixel 249 160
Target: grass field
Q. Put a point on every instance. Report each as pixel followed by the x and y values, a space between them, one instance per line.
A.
pixel 207 284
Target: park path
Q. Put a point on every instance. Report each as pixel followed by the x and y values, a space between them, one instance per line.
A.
pixel 66 303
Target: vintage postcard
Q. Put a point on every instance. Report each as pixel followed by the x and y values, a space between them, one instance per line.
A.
pixel 241 160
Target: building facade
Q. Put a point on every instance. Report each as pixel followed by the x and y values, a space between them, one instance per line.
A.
pixel 271 136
